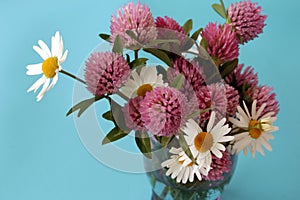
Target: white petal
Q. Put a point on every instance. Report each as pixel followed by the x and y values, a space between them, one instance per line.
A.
pixel 34 69
pixel 211 121
pixel 252 148
pixel 44 89
pixel 245 151
pixel 192 174
pixel 136 78
pixel 150 76
pixel 186 175
pixel 37 84
pixel 253 111
pixel 55 44
pixel 259 147
pixel 60 47
pixel 246 109
pixel 242 113
pixel 265 143
pixel 220 146
pixel 41 52
pixel 208 161
pixel 217 153
pixel 53 83
pixel 64 57
pixel 45 48
pixel 260 110
pixel 238 123
pixel 175 150
pixel 269 114
pixel 268 136
pixel 218 126
pixel 143 72
pixel 197 172
pixel 243 143
pixel 176 172
pixel 167 163
pixel 180 175
pixel 226 139
pixel 241 135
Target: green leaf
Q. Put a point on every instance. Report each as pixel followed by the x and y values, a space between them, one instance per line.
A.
pixel 114 135
pixel 220 10
pixel 164 141
pixel 108 116
pixel 138 62
pixel 188 26
pixel 185 146
pixel 159 54
pixel 156 42
pixel 228 67
pixel 196 34
pixel 204 43
pixel 82 106
pixel 132 34
pixel 118 45
pixel 177 82
pixel 105 37
pixel 143 142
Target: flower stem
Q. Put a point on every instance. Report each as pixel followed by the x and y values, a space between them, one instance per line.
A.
pixel 122 95
pixel 136 54
pixel 72 76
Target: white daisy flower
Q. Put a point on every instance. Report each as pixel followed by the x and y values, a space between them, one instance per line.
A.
pixel 140 84
pixel 49 67
pixel 183 170
pixel 256 128
pixel 203 143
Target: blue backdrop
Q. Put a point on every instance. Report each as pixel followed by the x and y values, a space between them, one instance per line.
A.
pixel 41 156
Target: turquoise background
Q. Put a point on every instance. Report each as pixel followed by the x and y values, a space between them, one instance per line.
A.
pixel 41 156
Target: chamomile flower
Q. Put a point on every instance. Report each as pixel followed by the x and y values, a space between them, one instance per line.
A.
pixel 50 67
pixel 183 170
pixel 257 129
pixel 140 84
pixel 203 143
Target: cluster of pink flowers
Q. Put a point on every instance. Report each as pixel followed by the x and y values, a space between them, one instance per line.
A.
pixel 200 104
pixel 161 103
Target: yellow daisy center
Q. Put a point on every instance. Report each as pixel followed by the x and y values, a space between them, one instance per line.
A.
pixel 49 67
pixel 255 130
pixel 143 89
pixel 203 141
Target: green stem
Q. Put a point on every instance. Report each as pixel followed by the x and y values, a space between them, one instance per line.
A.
pixel 199 112
pixel 72 76
pixel 164 192
pixel 136 54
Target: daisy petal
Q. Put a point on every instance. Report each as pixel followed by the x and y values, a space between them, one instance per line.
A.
pixel 217 153
pixel 53 83
pixel 64 57
pixel 44 90
pixel 211 121
pixel 186 175
pixel 37 84
pixel 44 47
pixel 34 69
pixel 41 52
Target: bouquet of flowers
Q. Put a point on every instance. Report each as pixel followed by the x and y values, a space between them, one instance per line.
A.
pixel 200 106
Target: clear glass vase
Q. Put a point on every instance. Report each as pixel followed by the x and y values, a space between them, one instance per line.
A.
pixel 166 188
